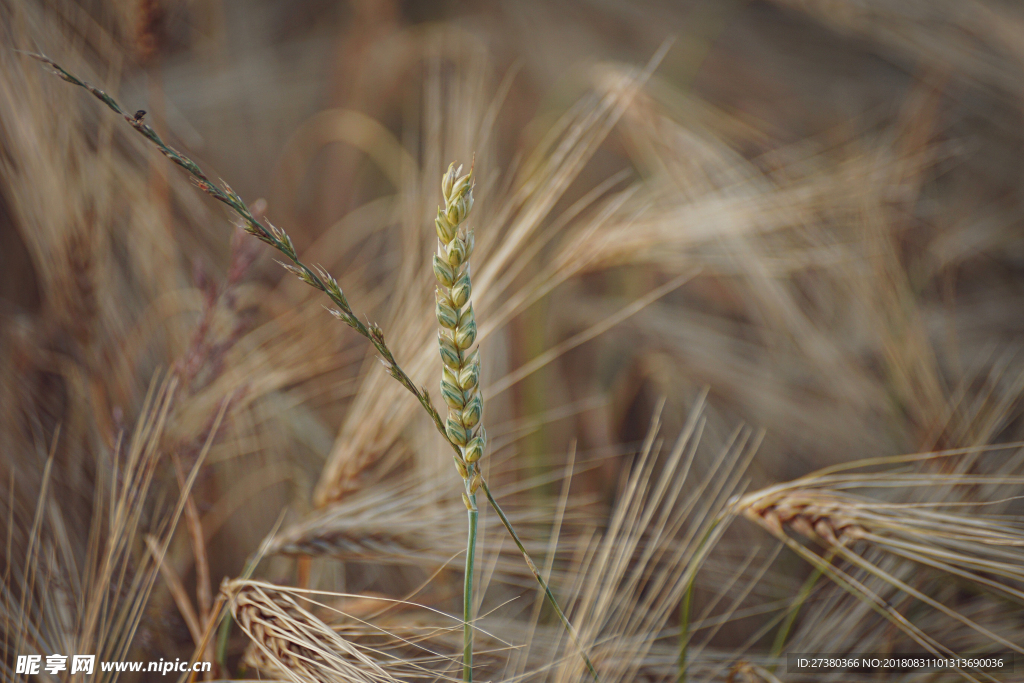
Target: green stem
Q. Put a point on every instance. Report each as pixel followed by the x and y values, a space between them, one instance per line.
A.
pixel 805 591
pixel 223 635
pixel 467 594
pixel 684 607
pixel 540 579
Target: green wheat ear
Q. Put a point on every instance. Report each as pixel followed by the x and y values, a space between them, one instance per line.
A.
pixel 460 374
pixel 460 365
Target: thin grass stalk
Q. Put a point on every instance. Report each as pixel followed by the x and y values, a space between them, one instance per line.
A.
pixel 684 607
pixel 805 592
pixel 540 579
pixel 318 278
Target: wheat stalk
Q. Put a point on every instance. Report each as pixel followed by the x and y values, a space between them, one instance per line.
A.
pixel 460 373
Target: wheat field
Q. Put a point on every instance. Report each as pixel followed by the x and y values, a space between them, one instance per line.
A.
pixel 746 288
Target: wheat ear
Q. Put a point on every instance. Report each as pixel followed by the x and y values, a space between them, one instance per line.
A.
pixel 320 279
pixel 460 366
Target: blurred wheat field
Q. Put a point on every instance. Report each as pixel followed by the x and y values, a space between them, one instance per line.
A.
pixel 748 282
